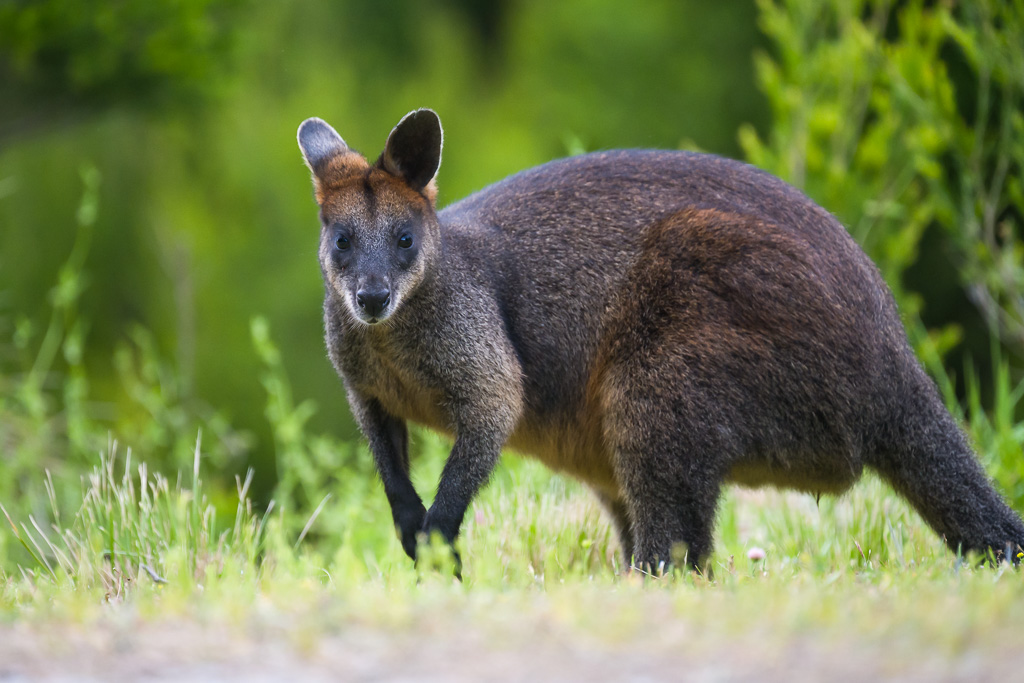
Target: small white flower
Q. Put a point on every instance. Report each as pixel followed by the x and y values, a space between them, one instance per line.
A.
pixel 755 554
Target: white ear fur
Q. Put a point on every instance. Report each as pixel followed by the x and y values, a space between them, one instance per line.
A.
pixel 319 142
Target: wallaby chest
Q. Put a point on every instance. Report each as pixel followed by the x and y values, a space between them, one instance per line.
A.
pixel 399 376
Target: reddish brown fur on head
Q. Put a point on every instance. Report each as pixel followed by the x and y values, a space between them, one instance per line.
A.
pixel 339 171
pixel 412 154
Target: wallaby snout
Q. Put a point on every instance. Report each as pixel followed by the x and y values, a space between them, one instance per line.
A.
pixel 373 299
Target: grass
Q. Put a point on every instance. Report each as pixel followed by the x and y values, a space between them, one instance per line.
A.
pixel 859 576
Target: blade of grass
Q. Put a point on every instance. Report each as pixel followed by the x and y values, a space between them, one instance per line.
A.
pixel 38 559
pixel 62 559
pixel 42 556
pixel 312 518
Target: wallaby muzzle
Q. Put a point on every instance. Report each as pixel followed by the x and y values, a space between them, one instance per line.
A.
pixel 373 301
pixel 373 296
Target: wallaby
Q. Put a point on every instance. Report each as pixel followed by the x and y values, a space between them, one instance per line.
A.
pixel 654 323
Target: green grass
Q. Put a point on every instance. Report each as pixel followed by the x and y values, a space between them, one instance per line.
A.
pixel 528 530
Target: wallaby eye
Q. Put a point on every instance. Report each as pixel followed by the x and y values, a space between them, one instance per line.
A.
pixel 405 241
pixel 342 243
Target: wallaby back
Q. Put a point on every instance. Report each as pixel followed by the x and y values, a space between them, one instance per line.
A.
pixel 653 323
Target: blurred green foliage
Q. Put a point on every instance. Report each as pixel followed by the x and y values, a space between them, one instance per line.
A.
pixel 139 295
pixel 63 59
pixel 53 431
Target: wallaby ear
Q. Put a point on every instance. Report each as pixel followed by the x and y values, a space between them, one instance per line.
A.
pixel 413 151
pixel 319 143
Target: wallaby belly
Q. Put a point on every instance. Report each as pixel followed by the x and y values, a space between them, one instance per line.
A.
pixel 579 451
pixel 809 472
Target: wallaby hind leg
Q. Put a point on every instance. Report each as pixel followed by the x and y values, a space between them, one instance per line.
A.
pixel 669 476
pixel 672 502
pixel 930 463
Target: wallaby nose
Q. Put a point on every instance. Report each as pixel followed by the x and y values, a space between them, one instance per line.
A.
pixel 373 300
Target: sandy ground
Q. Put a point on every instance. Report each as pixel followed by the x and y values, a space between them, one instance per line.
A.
pixel 126 648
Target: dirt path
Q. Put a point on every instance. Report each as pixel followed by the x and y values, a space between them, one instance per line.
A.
pixel 123 647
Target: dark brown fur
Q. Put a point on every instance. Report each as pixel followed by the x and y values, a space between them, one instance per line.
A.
pixel 655 324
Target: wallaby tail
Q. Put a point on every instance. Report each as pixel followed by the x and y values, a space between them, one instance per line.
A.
pixel 929 462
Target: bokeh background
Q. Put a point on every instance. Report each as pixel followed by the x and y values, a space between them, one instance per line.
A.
pixel 158 235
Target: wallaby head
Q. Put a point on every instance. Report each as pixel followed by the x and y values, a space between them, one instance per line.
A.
pixel 379 234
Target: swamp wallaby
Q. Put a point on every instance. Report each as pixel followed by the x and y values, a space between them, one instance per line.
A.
pixel 655 324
